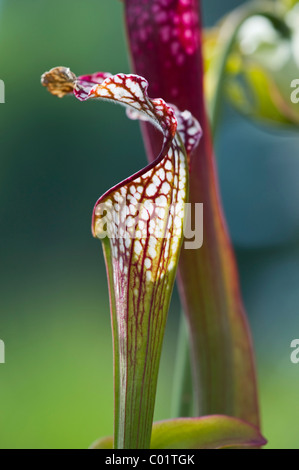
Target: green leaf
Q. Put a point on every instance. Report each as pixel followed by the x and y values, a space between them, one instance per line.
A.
pixel 267 71
pixel 261 62
pixel 289 3
pixel 211 432
pixel 104 443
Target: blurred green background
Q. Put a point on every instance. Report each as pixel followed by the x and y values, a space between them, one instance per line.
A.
pixel 57 158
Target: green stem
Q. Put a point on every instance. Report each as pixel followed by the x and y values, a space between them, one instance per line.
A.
pixel 182 396
pixel 228 35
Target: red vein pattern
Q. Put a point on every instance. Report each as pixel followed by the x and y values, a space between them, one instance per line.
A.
pixel 141 223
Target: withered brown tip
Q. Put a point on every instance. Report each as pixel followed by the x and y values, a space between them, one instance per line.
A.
pixel 60 81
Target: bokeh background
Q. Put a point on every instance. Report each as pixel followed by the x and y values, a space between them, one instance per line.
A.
pixel 56 158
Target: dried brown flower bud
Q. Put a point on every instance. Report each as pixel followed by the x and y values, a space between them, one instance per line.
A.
pixel 60 81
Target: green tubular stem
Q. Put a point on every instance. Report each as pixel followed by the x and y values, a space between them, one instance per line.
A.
pixel 106 252
pixel 182 396
pixel 228 35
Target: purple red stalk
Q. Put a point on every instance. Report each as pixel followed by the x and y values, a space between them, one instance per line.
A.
pixel 165 45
